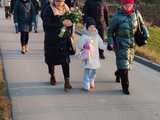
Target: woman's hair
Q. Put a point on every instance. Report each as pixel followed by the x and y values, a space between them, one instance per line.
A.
pixel 64 6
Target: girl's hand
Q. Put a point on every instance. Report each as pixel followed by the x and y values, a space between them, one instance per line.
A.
pixel 67 23
pixel 86 46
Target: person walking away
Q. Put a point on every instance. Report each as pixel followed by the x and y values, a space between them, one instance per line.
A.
pixel 6 5
pixel 89 43
pixel 121 32
pixel 12 5
pixel 37 8
pixel 24 17
pixel 98 10
pixel 12 12
pixel 56 48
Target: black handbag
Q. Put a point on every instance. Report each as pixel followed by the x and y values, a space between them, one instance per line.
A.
pixel 140 35
pixel 68 36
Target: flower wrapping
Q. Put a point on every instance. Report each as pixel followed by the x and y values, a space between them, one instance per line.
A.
pixel 75 15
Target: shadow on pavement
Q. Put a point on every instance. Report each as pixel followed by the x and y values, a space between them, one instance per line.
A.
pixel 44 88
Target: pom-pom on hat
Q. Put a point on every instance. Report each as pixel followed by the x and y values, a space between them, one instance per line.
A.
pixel 127 1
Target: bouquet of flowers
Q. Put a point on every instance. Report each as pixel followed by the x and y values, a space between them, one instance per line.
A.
pixel 75 15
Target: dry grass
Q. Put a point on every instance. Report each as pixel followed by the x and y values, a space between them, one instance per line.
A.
pixel 152 50
pixel 5 106
pixel 149 54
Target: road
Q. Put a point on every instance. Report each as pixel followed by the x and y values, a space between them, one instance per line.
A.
pixel 33 98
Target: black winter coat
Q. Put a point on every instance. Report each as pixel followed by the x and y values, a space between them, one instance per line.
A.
pixel 56 48
pixel 36 6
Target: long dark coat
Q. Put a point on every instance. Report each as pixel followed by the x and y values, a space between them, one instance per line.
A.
pixel 121 33
pixel 24 15
pixel 56 48
pixel 99 11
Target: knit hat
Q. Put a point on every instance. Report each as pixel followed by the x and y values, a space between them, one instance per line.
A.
pixel 127 1
pixel 90 21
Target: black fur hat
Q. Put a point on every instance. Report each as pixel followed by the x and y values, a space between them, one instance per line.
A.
pixel 90 21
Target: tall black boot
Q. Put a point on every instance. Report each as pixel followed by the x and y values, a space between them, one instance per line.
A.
pixel 117 76
pixel 67 85
pixel 124 81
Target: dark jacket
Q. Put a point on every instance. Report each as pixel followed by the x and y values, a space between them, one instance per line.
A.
pixel 36 6
pixel 99 11
pixel 24 15
pixel 56 48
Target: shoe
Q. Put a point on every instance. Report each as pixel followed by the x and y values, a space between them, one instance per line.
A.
pixel 23 50
pixel 126 91
pixel 102 57
pixel 67 85
pixel 53 80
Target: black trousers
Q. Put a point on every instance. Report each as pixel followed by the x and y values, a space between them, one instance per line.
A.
pixel 24 38
pixel 65 68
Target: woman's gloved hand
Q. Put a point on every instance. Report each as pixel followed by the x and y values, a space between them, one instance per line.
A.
pixel 110 47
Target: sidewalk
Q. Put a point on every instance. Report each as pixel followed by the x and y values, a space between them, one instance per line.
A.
pixel 34 99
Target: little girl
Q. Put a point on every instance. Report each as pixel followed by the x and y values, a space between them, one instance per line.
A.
pixel 89 43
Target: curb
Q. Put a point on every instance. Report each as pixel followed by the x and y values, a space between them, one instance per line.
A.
pixel 147 63
pixel 7 89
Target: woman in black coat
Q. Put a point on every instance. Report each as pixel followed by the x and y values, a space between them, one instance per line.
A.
pixel 56 48
pixel 24 17
pixel 99 11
